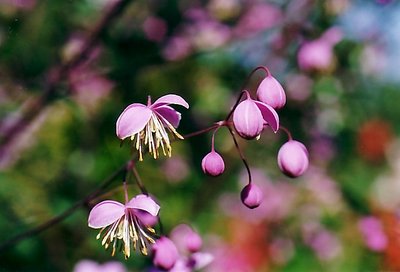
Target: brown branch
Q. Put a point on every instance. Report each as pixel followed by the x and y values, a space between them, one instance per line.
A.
pixel 56 74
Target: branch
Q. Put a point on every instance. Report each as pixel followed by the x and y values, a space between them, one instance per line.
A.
pixel 56 74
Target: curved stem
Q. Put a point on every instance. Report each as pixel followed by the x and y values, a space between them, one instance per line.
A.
pixel 234 106
pixel 287 132
pixel 240 153
pixel 212 139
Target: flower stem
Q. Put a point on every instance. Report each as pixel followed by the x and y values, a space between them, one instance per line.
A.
pixel 196 133
pixel 287 132
pixel 234 106
pixel 139 181
pixel 240 154
pixel 126 192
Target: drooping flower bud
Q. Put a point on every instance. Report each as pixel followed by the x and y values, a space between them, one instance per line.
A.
pixel 293 158
pixel 250 116
pixel 271 92
pixel 251 196
pixel 213 164
pixel 165 253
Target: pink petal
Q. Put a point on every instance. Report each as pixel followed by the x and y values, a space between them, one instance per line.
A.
pixel 105 213
pixel 171 115
pixel 145 203
pixel 269 115
pixel 247 119
pixel 132 120
pixel 170 99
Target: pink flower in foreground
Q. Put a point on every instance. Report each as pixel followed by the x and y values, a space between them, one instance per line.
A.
pixel 250 116
pixel 124 224
pixel 251 196
pixel 149 125
pixel 271 92
pixel 213 164
pixel 293 158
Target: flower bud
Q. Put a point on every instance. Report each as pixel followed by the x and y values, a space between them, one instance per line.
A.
pixel 193 241
pixel 165 253
pixel 250 116
pixel 213 164
pixel 271 93
pixel 251 196
pixel 293 158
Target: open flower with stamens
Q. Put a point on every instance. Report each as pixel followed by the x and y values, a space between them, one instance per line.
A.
pixel 149 125
pixel 121 223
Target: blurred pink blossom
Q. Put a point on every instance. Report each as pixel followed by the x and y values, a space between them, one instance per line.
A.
pixel 258 17
pixel 325 244
pixel 298 87
pixel 175 169
pixel 155 28
pixel 373 233
pixel 92 266
pixel 22 4
pixel 318 54
pixel 178 47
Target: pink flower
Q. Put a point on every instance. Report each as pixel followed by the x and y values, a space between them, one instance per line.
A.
pixel 188 242
pixel 318 54
pixel 186 239
pixel 123 223
pixel 293 158
pixel 165 253
pixel 149 125
pixel 213 164
pixel 251 196
pixel 270 92
pixel 92 266
pixel 250 116
pixel 373 233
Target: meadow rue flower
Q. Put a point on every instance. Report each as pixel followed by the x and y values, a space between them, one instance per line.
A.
pixel 186 239
pixel 250 116
pixel 293 158
pixel 149 125
pixel 251 196
pixel 165 253
pixel 123 224
pixel 271 92
pixel 213 164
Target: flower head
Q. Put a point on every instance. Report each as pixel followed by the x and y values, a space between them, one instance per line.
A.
pixel 271 92
pixel 123 223
pixel 149 125
pixel 165 253
pixel 293 158
pixel 251 196
pixel 250 116
pixel 213 164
